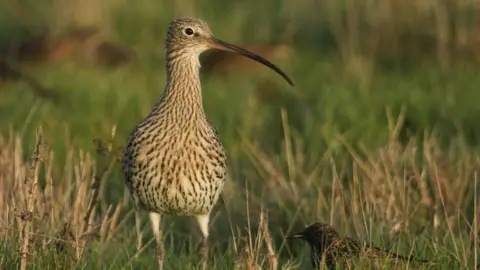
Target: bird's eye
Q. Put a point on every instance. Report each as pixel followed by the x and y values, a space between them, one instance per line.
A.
pixel 188 31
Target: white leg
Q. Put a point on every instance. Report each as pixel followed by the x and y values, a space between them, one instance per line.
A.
pixel 138 226
pixel 203 250
pixel 155 220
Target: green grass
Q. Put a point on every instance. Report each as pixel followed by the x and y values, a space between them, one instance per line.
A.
pixel 326 150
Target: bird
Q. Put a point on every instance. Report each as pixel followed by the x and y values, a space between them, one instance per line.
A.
pixel 325 241
pixel 174 162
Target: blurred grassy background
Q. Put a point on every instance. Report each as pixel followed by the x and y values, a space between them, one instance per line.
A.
pixel 380 55
pixel 79 68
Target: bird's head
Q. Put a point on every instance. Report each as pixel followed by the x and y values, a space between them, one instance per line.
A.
pixel 191 36
pixel 318 234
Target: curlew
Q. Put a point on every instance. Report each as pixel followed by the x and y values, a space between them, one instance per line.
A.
pixel 325 241
pixel 174 162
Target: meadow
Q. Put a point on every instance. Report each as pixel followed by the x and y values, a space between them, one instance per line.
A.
pixel 379 137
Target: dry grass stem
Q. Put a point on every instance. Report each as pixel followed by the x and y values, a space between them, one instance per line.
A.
pixel 59 214
pixel 26 218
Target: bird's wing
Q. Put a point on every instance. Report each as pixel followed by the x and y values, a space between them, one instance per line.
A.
pixel 382 254
pixel 344 248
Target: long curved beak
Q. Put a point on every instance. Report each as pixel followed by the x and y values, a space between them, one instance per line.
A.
pixel 222 45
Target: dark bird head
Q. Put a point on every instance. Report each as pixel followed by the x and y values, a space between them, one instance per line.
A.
pixel 320 236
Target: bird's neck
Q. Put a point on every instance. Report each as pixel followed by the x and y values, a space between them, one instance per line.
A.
pixel 320 246
pixel 319 250
pixel 183 91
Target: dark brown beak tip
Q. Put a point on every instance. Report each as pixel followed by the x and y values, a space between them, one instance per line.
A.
pixel 215 43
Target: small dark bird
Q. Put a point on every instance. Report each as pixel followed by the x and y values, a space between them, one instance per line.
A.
pixel 325 242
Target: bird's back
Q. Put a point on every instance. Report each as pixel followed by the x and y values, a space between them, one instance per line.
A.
pixel 345 250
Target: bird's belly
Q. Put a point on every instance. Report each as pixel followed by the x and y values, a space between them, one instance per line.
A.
pixel 176 173
pixel 191 197
pixel 182 190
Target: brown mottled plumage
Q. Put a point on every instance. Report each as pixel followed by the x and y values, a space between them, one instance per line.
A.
pixel 174 163
pixel 325 241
